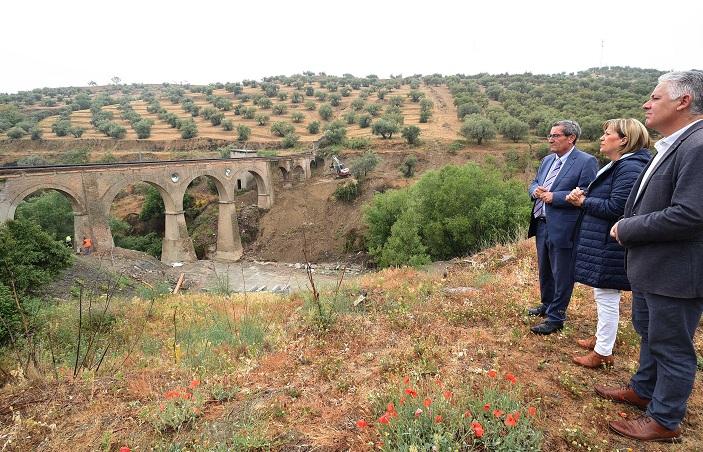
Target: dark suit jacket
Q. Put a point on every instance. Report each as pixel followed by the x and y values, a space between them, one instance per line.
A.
pixel 663 228
pixel 578 171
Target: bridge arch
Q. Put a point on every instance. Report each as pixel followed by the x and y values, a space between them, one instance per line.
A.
pixel 77 203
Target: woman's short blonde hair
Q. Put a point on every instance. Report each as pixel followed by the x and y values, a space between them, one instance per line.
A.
pixel 630 128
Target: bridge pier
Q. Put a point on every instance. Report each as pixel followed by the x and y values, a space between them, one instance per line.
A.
pixel 229 243
pixel 177 245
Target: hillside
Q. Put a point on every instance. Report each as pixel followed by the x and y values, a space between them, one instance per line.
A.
pixel 264 372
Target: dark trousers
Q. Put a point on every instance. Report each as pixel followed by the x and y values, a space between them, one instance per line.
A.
pixel 667 356
pixel 556 275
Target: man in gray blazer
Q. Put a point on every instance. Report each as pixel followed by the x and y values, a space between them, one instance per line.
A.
pixel 662 231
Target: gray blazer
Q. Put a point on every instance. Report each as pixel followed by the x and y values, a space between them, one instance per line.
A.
pixel 662 230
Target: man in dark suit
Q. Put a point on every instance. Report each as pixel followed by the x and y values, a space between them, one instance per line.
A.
pixel 662 231
pixel 554 219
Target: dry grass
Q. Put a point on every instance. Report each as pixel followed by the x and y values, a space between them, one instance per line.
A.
pixel 304 389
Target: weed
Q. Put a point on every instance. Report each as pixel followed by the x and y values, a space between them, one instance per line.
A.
pixel 578 439
pixel 178 409
pixel 571 384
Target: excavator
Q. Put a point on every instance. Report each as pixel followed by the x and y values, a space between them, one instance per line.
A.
pixel 339 168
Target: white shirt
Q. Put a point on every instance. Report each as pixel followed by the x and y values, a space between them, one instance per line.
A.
pixel 662 146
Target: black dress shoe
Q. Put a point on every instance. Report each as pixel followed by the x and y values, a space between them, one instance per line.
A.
pixel 546 328
pixel 537 311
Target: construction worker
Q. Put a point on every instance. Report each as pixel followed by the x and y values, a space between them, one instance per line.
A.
pixel 87 246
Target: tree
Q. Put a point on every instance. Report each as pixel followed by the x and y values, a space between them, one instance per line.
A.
pixel 297 117
pixel 116 131
pixel 289 140
pixel 282 128
pixel 384 127
pixel 361 166
pixel 325 112
pixel 336 132
pixel 227 125
pixel 243 132
pixel 373 109
pixel 404 245
pixel 16 132
pixel 262 119
pixel 189 129
pixel 314 127
pixel 335 99
pixel 408 166
pixel 280 109
pixel 415 95
pixel 478 128
pixel 350 117
pixel 513 129
pixel 411 134
pixel 466 109
pixel 358 104
pixel 143 128
pixel 364 121
pixel 51 211
pixel 310 105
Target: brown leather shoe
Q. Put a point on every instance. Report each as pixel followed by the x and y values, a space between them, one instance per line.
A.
pixel 588 344
pixel 645 429
pixel 593 360
pixel 622 395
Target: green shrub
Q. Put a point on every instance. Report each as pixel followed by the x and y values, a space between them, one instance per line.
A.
pixel 227 125
pixel 248 112
pixel 143 128
pixel 348 191
pixel 216 118
pixel 262 119
pixel 350 117
pixel 189 129
pixel 358 143
pixel 478 128
pixel 373 109
pixel 290 140
pixel 411 134
pixel 358 104
pixel 280 109
pixel 384 127
pixel 243 132
pixel 16 132
pixel 408 166
pixel 314 127
pixel 282 128
pixel 361 166
pixel 297 117
pixel 364 121
pixel 335 132
pixel 51 211
pixel 325 112
pixel 310 105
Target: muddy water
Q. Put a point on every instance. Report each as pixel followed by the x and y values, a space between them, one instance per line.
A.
pixel 255 276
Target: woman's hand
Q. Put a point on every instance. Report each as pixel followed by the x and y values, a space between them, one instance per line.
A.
pixel 576 197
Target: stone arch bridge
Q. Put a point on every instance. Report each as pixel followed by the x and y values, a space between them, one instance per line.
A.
pixel 92 188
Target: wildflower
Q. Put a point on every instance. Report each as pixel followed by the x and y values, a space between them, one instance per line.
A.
pixel 466 414
pixel 492 373
pixel 385 419
pixel 418 412
pixel 390 407
pixel 406 380
pixel 532 411
pixel 427 402
pixel 125 449
pixel 498 413
pixel 510 421
pixel 438 419
pixel 172 394
pixel 411 392
pixel 194 384
pixel 477 428
pixel 447 395
pixel 438 382
pixel 622 414
pixel 511 378
pixel 486 407
pixel 516 415
pixel 362 423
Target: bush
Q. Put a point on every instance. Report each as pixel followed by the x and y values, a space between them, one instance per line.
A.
pixel 513 129
pixel 373 109
pixel 314 127
pixel 310 105
pixel 348 191
pixel 36 133
pixel 290 140
pixel 358 104
pixel 61 128
pixel 325 112
pixel 243 132
pixel 248 112
pixel 297 117
pixel 16 132
pixel 280 109
pixel 216 118
pixel 425 116
pixel 416 95
pixel 350 117
pixel 143 128
pixel 358 143
pixel 411 134
pixel 460 210
pixel 227 125
pixel 297 97
pixel 116 131
pixel 464 110
pixel 335 100
pixel 51 211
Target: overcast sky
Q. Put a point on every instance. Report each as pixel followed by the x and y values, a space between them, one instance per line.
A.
pixel 69 43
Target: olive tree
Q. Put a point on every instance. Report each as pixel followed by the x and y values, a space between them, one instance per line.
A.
pixel 477 127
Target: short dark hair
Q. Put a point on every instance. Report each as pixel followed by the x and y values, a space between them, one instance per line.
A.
pixel 569 127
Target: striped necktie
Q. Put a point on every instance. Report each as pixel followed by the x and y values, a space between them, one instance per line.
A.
pixel 547 184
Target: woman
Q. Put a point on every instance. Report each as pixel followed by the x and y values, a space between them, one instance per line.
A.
pixel 600 260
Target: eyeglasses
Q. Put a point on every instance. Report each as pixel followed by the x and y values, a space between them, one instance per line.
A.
pixel 555 135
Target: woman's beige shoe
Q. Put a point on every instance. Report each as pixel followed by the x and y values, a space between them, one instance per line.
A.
pixel 593 360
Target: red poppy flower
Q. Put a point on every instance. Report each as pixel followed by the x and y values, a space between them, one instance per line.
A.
pixel 390 407
pixel 362 423
pixel 401 402
pixel 411 392
pixel 498 413
pixel 125 449
pixel 427 402
pixel 466 414
pixel 516 415
pixel 511 378
pixel 385 419
pixel 438 382
pixel 510 421
pixel 477 428
pixel 486 407
pixel 438 419
pixel 194 384
pixel 492 373
pixel 418 412
pixel 532 411
pixel 172 394
pixel 447 395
